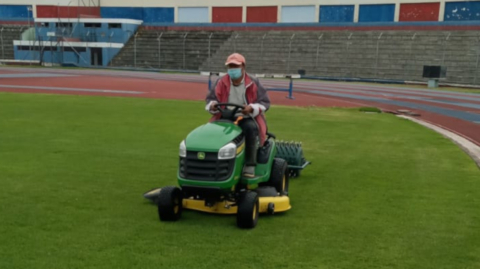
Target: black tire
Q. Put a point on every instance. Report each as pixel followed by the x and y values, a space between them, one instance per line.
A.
pixel 170 204
pixel 279 177
pixel 271 208
pixel 248 210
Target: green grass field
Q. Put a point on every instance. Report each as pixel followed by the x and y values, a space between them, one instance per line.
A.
pixel 382 192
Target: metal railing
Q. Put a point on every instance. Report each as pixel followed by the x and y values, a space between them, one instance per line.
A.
pixel 1 39
pixel 159 39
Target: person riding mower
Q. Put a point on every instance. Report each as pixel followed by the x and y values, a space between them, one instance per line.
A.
pixel 238 87
pixel 232 165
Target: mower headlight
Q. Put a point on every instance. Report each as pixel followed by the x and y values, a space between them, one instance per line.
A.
pixel 183 149
pixel 227 152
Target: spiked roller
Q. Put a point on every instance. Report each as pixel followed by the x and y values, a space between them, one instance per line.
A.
pixel 292 152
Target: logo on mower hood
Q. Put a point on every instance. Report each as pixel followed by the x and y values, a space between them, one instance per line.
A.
pixel 201 155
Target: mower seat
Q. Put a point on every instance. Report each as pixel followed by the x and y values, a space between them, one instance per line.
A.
pixel 263 152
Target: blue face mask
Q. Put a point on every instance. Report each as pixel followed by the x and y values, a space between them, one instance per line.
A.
pixel 235 73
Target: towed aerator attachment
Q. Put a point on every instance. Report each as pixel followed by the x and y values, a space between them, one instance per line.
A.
pixel 292 152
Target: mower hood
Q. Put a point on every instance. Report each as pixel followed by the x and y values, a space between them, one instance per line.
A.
pixel 212 136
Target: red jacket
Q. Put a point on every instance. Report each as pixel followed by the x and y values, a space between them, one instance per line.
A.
pixel 256 96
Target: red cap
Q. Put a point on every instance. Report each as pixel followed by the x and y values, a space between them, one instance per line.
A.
pixel 235 58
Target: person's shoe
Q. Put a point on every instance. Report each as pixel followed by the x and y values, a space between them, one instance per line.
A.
pixel 249 171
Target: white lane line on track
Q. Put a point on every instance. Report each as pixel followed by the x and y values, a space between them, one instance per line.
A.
pixel 67 89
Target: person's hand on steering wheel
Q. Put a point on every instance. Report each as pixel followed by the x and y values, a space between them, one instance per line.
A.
pixel 213 107
pixel 247 110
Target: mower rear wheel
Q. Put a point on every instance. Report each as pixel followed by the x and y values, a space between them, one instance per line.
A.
pixel 248 210
pixel 279 177
pixel 170 204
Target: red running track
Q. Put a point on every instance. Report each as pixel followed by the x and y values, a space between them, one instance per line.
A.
pixel 147 88
pixel 136 84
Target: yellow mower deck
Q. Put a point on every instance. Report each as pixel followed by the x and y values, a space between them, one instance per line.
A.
pixel 282 203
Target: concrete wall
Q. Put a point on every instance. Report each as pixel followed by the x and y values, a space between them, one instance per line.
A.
pixel 135 13
pixel 288 11
pixel 227 14
pixel 109 54
pixel 419 12
pixel 262 14
pixel 35 2
pixel 16 12
pixel 157 14
pixel 298 14
pixel 193 14
pixel 398 55
pixel 337 13
pixel 52 11
pixel 79 55
pixel 230 3
pixel 55 55
pixel 462 11
pixel 377 13
pixel 89 30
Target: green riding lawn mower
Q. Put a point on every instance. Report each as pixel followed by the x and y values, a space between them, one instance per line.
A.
pixel 210 173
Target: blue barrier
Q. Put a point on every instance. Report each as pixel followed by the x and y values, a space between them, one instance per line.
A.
pixel 289 90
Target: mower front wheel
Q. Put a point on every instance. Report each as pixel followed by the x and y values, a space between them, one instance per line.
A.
pixel 248 210
pixel 169 204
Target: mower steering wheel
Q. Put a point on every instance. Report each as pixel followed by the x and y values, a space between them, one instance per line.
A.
pixel 228 113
